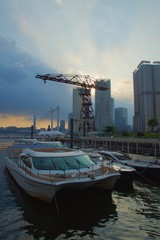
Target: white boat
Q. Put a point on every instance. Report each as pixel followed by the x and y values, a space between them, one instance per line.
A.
pixel 35 143
pixel 145 169
pixel 43 172
pixel 127 172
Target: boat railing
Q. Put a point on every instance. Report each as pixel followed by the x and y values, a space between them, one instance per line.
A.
pixel 81 172
pixel 64 175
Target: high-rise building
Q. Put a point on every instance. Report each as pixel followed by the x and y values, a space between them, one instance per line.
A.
pixel 70 115
pixel 62 126
pixel 146 81
pixel 34 123
pixel 104 107
pixel 77 105
pixel 121 119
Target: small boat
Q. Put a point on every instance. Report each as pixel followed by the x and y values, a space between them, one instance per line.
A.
pixel 127 172
pixel 145 169
pixel 35 143
pixel 43 172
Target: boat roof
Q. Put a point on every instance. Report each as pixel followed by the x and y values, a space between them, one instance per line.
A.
pixel 39 153
pixel 35 141
pixel 111 152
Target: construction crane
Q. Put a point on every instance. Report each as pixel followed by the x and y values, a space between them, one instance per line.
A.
pixel 86 83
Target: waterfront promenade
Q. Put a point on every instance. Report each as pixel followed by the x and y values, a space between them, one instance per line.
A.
pixel 137 146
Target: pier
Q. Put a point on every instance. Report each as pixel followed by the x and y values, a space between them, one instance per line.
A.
pixel 138 146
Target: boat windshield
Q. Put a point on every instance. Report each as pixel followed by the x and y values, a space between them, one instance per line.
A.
pixel 62 163
pixel 122 156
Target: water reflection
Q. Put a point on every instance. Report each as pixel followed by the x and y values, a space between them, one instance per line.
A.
pixel 149 203
pixel 129 213
pixel 124 187
pixel 148 197
pixel 77 211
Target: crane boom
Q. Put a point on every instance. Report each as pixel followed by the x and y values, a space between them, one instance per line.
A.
pixel 86 83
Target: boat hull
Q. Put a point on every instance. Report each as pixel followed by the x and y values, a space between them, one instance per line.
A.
pixel 149 174
pixel 46 190
pixel 146 171
pixel 109 182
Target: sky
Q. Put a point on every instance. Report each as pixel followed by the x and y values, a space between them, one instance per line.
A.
pixel 101 38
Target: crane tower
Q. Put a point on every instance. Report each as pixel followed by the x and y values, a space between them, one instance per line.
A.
pixel 86 83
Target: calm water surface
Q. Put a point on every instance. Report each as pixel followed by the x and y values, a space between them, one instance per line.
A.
pixel 132 214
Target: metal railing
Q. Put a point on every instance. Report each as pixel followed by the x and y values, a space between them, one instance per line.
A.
pixel 65 175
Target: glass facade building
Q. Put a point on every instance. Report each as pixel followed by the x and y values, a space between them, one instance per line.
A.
pixel 121 119
pixel 77 105
pixel 104 107
pixel 146 83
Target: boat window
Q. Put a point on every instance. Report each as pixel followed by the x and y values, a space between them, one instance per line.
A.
pixel 79 161
pixel 50 163
pixel 72 163
pixel 62 163
pixel 122 157
pixel 43 163
pixel 85 160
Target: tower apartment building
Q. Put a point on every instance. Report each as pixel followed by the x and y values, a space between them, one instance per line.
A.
pixel 104 107
pixel 121 119
pixel 77 105
pixel 146 82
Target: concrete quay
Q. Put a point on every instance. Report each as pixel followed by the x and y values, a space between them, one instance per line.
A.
pixel 139 146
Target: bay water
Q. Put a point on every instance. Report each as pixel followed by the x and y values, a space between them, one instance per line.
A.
pixel 128 214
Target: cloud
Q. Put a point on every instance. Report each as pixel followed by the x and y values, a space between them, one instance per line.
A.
pixel 23 94
pixel 93 37
pixel 87 43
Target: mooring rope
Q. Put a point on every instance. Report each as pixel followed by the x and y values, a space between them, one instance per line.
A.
pixel 141 175
pixel 60 219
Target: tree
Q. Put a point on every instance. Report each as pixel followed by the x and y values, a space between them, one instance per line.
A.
pixel 109 129
pixel 152 123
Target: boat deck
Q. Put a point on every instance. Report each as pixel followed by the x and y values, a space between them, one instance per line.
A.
pixel 64 175
pixel 52 177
